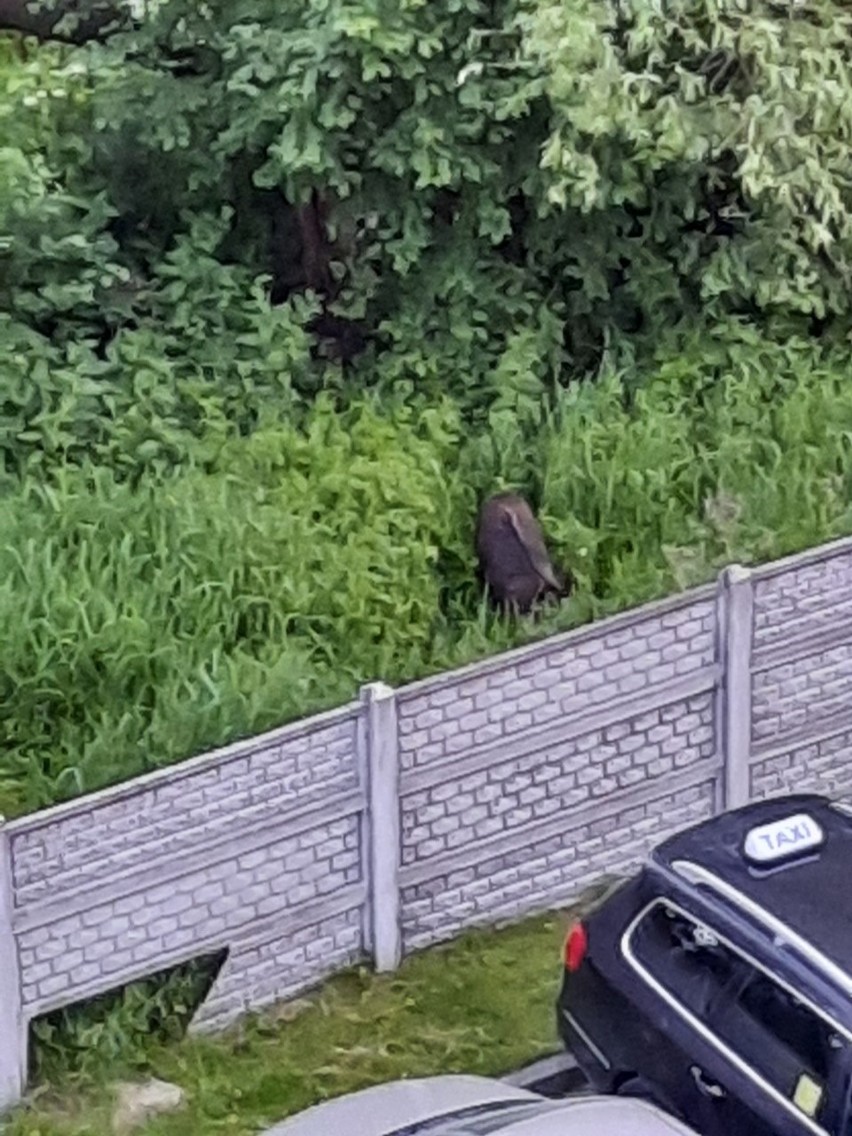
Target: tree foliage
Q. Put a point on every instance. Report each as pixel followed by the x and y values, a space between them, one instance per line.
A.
pixel 710 136
pixel 415 186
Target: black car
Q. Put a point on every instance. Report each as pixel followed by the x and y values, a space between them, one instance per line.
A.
pixel 717 981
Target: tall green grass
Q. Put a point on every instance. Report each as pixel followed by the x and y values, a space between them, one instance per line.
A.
pixel 143 624
pixel 140 625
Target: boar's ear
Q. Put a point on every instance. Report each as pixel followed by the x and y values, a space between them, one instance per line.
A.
pixel 533 544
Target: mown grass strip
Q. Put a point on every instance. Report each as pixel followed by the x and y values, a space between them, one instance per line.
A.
pixel 481 1004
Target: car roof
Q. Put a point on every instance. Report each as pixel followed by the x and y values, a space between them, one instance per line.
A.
pixel 808 894
pixel 598 1116
pixel 385 1107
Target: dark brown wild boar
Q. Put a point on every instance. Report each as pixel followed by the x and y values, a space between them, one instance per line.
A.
pixel 513 558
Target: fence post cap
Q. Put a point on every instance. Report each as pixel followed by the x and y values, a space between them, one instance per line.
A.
pixel 736 574
pixel 376 691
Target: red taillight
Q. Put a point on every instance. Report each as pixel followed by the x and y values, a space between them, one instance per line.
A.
pixel 576 945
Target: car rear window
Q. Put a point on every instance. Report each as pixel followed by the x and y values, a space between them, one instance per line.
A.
pixel 784 1041
pixel 788 1045
pixel 477 1120
pixel 691 965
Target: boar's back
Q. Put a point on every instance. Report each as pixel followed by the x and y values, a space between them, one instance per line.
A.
pixel 510 542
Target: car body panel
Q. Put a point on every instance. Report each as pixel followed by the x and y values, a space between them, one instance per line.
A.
pixel 382 1108
pixel 394 1108
pixel 600 1116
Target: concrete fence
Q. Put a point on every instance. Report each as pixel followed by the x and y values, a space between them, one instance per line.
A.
pixel 481 795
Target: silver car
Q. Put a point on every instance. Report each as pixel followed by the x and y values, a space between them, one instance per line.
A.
pixel 476 1106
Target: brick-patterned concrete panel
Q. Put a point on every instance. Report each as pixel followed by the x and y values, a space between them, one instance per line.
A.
pixel 805 599
pixel 100 946
pixel 284 965
pixel 824 766
pixel 796 697
pixel 571 675
pixel 520 792
pixel 117 831
pixel 548 872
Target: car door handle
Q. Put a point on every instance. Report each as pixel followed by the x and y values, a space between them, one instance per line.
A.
pixel 708 1088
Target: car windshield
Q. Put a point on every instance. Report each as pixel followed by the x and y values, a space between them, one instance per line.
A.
pixel 478 1120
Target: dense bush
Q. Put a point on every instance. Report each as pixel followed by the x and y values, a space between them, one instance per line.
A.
pixel 142 624
pixel 317 154
pixel 440 180
pixel 706 143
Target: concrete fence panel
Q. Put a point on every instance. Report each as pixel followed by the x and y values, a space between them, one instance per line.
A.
pixel 255 850
pixel 13 1024
pixel 801 713
pixel 554 681
pixel 572 753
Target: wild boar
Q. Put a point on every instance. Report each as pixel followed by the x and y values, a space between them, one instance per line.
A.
pixel 513 559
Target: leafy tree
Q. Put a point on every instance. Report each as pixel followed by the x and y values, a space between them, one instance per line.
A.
pixel 418 185
pixel 702 147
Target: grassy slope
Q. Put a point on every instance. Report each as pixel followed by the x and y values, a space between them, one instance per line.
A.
pixel 142 625
pixel 482 1004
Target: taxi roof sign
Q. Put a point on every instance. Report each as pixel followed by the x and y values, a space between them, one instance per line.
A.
pixel 783 839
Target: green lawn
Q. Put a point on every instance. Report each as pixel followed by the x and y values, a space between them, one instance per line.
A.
pixel 483 1003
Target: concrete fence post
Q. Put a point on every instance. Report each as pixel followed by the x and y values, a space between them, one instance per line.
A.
pixel 13 1035
pixel 735 606
pixel 382 765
